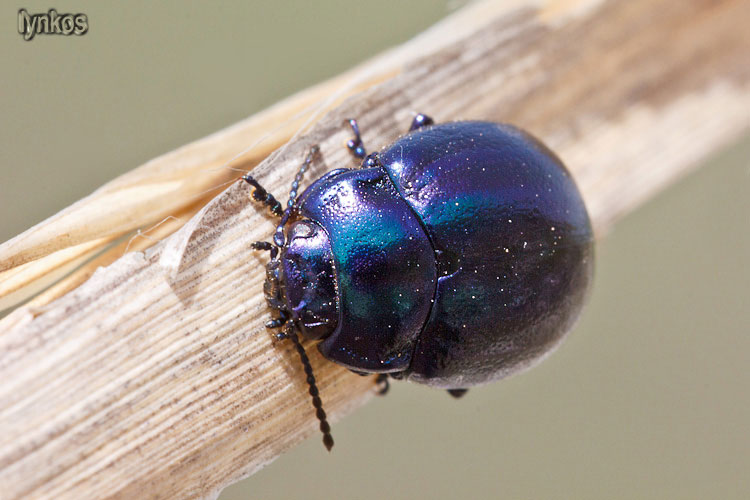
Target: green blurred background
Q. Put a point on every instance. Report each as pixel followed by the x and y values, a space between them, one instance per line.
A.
pixel 649 397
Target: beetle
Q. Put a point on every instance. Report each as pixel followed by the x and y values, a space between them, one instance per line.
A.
pixel 457 255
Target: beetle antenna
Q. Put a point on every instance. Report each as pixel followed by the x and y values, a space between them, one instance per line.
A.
pixel 300 174
pixel 278 237
pixel 317 403
pixel 263 196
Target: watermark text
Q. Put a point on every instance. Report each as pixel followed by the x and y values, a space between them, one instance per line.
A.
pixel 51 23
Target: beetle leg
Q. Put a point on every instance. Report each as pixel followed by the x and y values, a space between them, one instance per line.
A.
pixel 265 245
pixel 419 121
pixel 371 160
pixel 457 393
pixel 262 245
pixel 281 336
pixel 355 145
pixel 276 323
pixel 382 381
pixel 260 194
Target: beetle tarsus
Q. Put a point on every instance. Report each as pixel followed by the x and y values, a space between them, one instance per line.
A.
pixel 281 336
pixel 261 245
pixel 419 121
pixel 381 381
pixel 276 323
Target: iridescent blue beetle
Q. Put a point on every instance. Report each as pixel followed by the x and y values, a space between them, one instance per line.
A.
pixel 458 255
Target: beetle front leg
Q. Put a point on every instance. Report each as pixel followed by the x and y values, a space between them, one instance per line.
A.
pixel 265 245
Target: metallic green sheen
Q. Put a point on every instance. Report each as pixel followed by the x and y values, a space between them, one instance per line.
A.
pixel 309 280
pixel 384 267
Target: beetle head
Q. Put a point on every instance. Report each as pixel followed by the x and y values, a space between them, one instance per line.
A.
pixel 307 278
